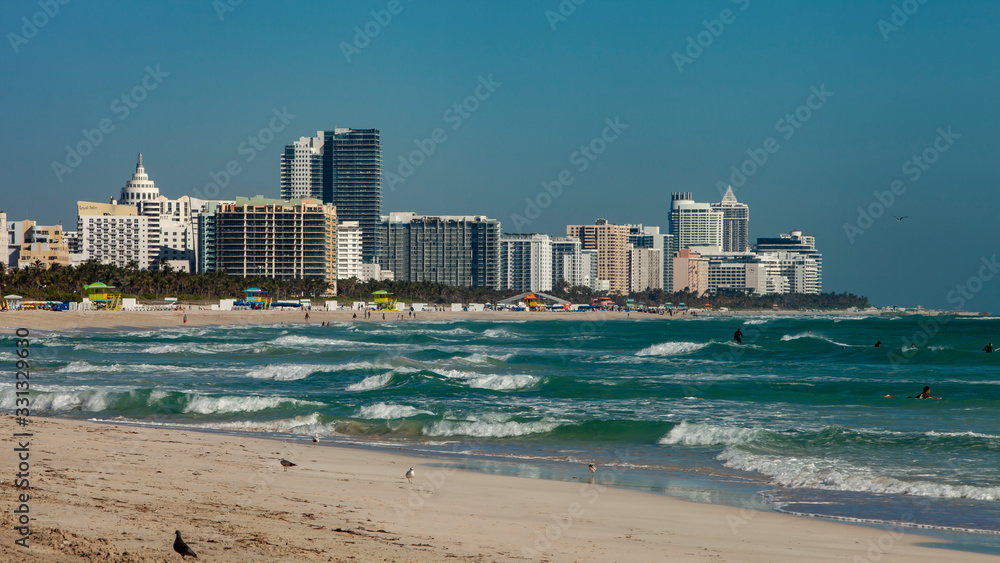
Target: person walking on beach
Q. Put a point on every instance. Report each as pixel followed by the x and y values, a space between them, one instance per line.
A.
pixel 738 337
pixel 307 316
pixel 185 319
pixel 989 348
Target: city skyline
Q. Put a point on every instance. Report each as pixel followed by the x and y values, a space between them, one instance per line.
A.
pixel 595 113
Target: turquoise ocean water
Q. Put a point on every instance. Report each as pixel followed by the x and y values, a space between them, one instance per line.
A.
pixel 795 418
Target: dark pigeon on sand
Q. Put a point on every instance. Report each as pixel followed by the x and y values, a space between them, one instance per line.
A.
pixel 181 547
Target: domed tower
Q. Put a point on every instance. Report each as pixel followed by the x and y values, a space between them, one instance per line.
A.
pixel 141 193
pixel 139 189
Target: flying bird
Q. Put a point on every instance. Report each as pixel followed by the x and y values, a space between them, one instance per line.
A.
pixel 181 547
pixel 898 219
pixel 286 464
pixel 410 475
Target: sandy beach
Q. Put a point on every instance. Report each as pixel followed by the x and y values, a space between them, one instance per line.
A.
pixel 117 493
pixel 77 320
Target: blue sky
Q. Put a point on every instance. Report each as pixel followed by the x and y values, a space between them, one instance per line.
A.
pixel 688 112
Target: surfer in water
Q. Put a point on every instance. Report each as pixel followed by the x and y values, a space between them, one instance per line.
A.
pixel 878 343
pixel 989 348
pixel 926 394
pixel 738 337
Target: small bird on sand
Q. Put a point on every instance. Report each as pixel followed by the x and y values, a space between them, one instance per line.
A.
pixel 593 469
pixel 315 438
pixel 286 464
pixel 410 475
pixel 181 547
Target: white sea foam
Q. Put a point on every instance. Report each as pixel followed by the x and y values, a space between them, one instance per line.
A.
pixel 488 429
pixel 789 337
pixel 832 474
pixel 310 343
pixel 755 321
pixel 371 382
pixel 84 400
pixel 503 382
pixel 498 333
pixel 689 434
pixel 479 358
pixel 203 404
pixel 671 349
pixel 389 411
pixel 287 372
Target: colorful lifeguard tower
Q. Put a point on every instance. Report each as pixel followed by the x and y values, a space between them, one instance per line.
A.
pixel 101 298
pixel 255 298
pixel 383 300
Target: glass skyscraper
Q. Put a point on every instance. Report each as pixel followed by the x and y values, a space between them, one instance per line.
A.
pixel 352 181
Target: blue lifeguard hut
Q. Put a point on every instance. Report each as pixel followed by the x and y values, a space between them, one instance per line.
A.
pixel 255 298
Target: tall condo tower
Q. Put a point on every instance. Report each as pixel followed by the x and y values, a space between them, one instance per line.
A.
pixel 352 181
pixel 735 223
pixel 302 168
pixel 693 223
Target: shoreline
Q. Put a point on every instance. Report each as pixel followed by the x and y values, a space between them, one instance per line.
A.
pixel 82 320
pixel 117 492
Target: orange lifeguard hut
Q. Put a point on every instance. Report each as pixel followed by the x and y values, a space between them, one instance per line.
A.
pixel 532 302
pixel 101 298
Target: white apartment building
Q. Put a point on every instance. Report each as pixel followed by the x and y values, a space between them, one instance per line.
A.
pixel 526 262
pixel 566 264
pixel 172 232
pixel 302 168
pixel 693 223
pixel 349 250
pixel 112 234
pixel 645 269
pixel 798 259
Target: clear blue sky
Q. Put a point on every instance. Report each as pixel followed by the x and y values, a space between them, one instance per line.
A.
pixel 892 89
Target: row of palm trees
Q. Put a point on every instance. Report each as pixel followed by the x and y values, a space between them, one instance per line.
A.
pixel 67 282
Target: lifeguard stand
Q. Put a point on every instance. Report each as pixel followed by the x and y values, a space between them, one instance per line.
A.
pixel 101 298
pixel 384 300
pixel 255 298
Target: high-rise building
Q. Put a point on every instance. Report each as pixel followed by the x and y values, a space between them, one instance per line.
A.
pixel 302 168
pixel 693 223
pixel 611 243
pixel 282 239
pixel 526 262
pixel 462 250
pixel 588 272
pixel 348 250
pixel 112 234
pixel 735 223
pixel 645 269
pixel 4 240
pixel 640 236
pixel 566 265
pixel 173 235
pixel 352 181
pixel 799 260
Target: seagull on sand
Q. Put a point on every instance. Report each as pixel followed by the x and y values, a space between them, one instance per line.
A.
pixel 593 470
pixel 286 464
pixel 315 438
pixel 181 547
pixel 410 475
pixel 898 219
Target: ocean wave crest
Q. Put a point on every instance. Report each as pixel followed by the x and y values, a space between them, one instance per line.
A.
pixel 489 429
pixel 671 348
pixel 371 382
pixel 690 434
pixel 389 411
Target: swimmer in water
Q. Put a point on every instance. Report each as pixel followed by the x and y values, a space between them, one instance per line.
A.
pixel 926 394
